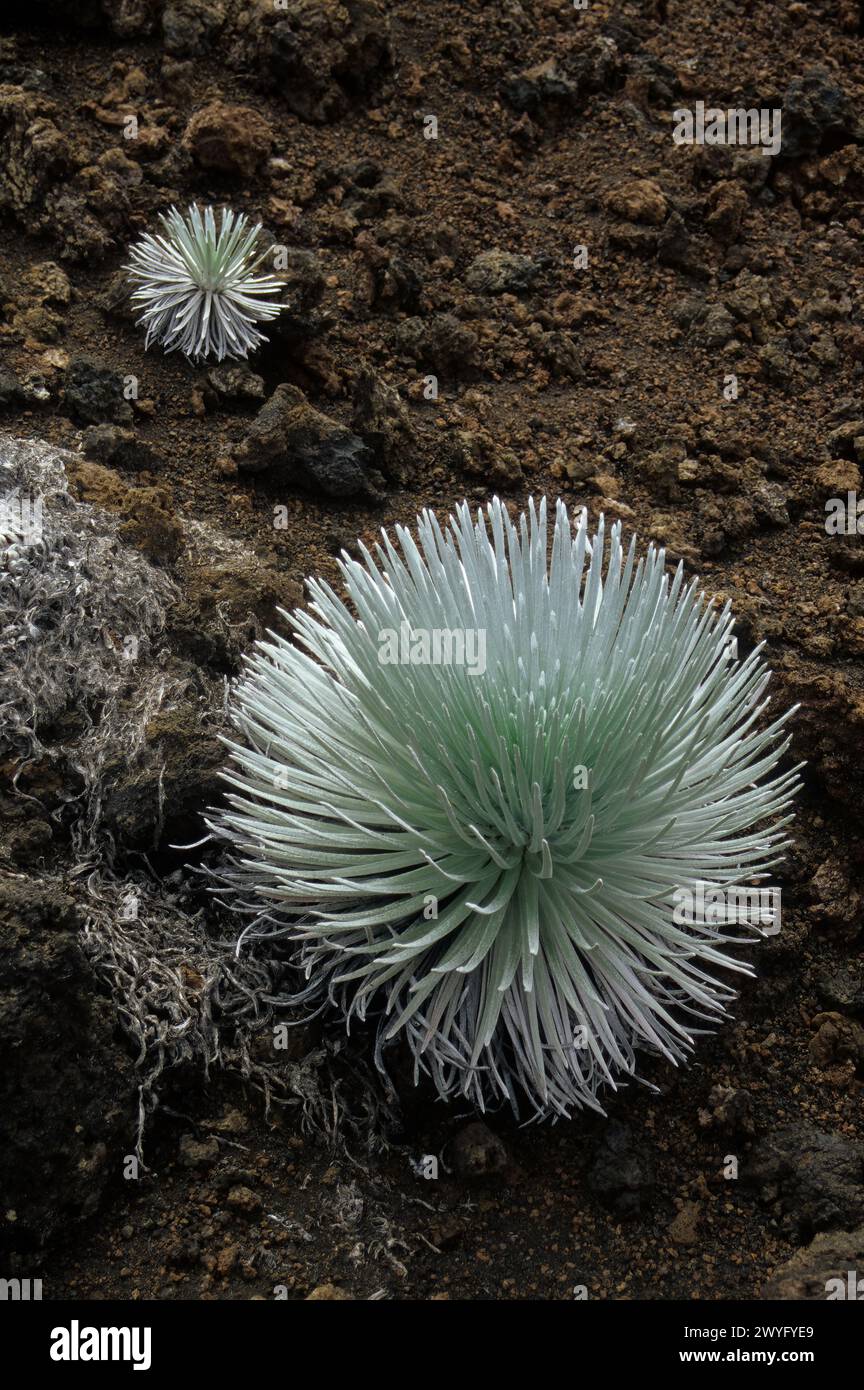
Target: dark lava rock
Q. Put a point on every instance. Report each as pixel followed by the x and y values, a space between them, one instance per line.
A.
pixel 769 503
pixel 244 1199
pixel 561 354
pixel 836 1040
pixel 115 299
pixel 821 1270
pixel 232 140
pixel 292 439
pixel 562 84
pixel 836 901
pixel 324 55
pixel 369 192
pixel 815 1179
pixel 542 86
pixel 35 153
pixel 151 524
pixel 480 454
pixel 73 226
pixel 777 365
pixel 94 393
pixel 11 390
pixel 713 328
pixel 843 990
pixel 843 441
pixel 36 308
pixel 400 286
pixel 157 795
pixel 622 1172
pixel 641 242
pixel 383 422
pixel 673 243
pixel 729 1110
pixel 392 282
pixel 125 18
pixel 438 342
pixel 726 208
pixel 189 27
pixel 356 174
pixel 649 76
pixel 638 200
pixel 233 384
pixel 30 78
pixel 817 116
pixel 303 280
pixel 113 444
pixel 66 1091
pixel 500 272
pixel 198 1153
pixel 476 1152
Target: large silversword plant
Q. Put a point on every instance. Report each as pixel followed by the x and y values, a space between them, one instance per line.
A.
pixel 471 799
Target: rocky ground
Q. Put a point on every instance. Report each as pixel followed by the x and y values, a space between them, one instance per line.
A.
pixel 488 196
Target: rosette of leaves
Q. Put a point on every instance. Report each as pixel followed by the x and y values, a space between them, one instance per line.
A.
pixel 487 861
pixel 200 288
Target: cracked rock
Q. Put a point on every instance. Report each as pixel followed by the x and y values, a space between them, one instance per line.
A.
pixel 815 1180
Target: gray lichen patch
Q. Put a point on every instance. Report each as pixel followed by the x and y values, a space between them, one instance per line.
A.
pixel 109 739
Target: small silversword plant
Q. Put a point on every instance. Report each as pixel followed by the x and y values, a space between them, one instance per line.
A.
pixel 489 862
pixel 198 286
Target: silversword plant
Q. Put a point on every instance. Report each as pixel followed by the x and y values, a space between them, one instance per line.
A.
pixel 198 286
pixel 419 833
